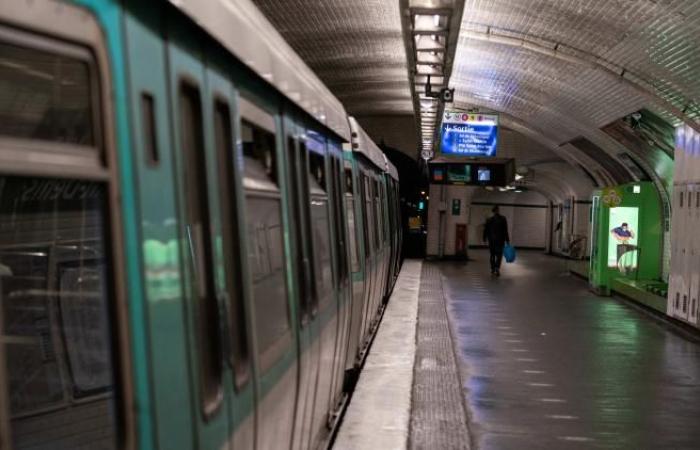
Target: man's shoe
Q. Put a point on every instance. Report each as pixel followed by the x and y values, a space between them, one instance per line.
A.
pixel 497 273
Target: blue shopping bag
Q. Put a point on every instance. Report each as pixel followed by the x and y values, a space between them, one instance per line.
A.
pixel 509 253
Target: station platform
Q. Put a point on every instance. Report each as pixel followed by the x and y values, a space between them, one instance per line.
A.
pixel 530 360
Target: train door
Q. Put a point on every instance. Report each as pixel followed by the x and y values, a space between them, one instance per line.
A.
pixel 267 216
pixel 341 277
pixel 229 250
pixel 308 347
pixel 353 208
pixel 370 252
pixel 198 218
pixel 383 233
pixel 320 190
pixel 376 241
pixel 154 166
pixel 391 225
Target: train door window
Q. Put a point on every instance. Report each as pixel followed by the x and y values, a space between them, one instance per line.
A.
pixel 52 96
pixel 351 222
pixel 199 246
pixel 231 247
pixel 57 295
pixel 320 221
pixel 338 197
pixel 383 211
pixel 370 244
pixel 299 194
pixel 377 215
pixel 264 234
pixel 148 117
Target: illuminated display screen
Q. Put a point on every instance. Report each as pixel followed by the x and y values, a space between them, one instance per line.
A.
pixel 465 134
pixel 473 173
pixel 438 175
pixel 459 173
pixel 484 174
pixel 622 245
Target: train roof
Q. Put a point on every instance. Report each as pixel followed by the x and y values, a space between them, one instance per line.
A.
pixel 243 30
pixel 362 143
pixel 391 169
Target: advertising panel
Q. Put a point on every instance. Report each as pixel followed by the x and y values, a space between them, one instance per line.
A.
pixel 622 245
pixel 469 134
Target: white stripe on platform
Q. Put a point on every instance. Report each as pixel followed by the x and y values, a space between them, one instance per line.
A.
pixel 380 410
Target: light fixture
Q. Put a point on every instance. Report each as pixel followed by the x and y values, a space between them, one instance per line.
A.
pixel 425 22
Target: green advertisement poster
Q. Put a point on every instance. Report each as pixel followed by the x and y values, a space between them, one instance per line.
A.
pixel 622 245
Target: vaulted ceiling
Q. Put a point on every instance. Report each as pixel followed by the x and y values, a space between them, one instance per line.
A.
pixel 557 70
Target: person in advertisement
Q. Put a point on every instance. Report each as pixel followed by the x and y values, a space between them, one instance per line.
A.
pixel 625 236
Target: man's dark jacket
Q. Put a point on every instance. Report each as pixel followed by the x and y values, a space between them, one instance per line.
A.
pixel 496 230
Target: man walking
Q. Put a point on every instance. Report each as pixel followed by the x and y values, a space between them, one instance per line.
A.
pixel 496 233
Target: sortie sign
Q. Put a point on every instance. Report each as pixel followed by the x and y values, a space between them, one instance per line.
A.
pixel 469 134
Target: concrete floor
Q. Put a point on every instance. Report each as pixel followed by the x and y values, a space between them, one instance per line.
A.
pixel 545 364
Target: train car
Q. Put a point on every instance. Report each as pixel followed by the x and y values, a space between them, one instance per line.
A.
pixel 365 167
pixel 188 258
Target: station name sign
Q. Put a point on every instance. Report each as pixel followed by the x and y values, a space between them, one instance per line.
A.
pixel 469 134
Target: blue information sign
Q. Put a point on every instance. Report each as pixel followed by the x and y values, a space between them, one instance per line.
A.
pixel 469 134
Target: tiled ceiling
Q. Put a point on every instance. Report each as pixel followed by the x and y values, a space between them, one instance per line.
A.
pixel 355 46
pixel 558 69
pixel 553 64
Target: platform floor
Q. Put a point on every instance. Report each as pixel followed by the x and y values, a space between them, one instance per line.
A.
pixel 540 363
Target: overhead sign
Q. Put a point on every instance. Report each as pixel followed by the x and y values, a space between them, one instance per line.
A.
pixel 473 173
pixel 469 134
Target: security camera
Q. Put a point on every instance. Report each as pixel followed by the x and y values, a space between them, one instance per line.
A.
pixel 447 95
pixel 636 120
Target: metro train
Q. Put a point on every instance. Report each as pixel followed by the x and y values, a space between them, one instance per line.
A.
pixel 196 241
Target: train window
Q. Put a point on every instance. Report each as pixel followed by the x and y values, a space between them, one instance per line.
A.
pixel 351 223
pixel 259 151
pixel 231 249
pixel 57 351
pixel 382 210
pixel 264 236
pixel 320 228
pixel 377 215
pixel 370 244
pixel 339 185
pixel 51 96
pixel 55 313
pixel 200 256
pixel 317 169
pixel 150 138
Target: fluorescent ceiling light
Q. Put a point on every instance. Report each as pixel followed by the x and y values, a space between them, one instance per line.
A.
pixel 428 70
pixel 430 57
pixel 422 79
pixel 430 42
pixel 429 22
